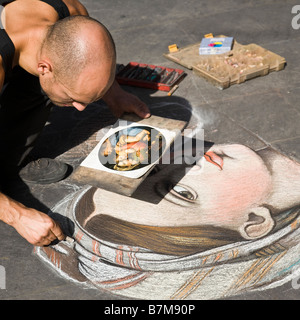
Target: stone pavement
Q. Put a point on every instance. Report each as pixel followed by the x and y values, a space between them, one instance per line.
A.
pixel 260 112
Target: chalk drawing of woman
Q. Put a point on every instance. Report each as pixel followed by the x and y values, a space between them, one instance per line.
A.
pixel 224 225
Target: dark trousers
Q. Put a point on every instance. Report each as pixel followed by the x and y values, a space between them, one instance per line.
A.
pixel 24 110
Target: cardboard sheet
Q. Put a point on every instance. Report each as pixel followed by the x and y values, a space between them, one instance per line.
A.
pixel 91 172
pixel 93 159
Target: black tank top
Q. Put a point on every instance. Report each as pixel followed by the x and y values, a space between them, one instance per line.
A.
pixel 7 48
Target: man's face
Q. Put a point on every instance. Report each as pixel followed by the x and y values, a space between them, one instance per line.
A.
pixel 91 85
pixel 219 190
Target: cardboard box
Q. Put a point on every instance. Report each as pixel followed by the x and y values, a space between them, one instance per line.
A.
pixel 241 63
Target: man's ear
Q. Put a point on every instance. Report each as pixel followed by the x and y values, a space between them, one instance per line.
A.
pixel 259 224
pixel 44 67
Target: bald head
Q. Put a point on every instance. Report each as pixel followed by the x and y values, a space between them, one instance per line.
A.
pixel 76 43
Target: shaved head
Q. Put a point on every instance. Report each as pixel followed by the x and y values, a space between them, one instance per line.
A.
pixel 76 43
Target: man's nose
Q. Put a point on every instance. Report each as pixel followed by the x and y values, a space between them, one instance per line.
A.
pixel 79 106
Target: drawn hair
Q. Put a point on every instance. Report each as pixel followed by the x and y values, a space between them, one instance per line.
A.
pixel 165 240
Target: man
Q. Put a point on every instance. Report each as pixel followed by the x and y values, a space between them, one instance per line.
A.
pixel 50 52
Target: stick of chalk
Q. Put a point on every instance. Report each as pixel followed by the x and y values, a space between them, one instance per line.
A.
pixel 69 239
pixel 173 90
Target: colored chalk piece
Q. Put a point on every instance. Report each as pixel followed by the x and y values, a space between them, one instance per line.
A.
pixel 173 48
pixel 149 76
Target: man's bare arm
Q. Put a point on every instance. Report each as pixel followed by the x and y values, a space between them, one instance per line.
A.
pixel 35 226
pixel 121 101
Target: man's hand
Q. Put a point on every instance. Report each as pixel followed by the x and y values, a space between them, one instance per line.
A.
pixel 35 226
pixel 120 101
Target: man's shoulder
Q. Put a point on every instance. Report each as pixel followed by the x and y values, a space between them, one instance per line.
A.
pixel 17 13
pixel 75 7
pixel 31 12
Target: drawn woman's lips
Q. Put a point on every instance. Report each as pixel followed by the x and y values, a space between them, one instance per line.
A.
pixel 213 158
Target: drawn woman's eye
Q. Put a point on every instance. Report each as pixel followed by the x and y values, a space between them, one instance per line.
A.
pixel 183 192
